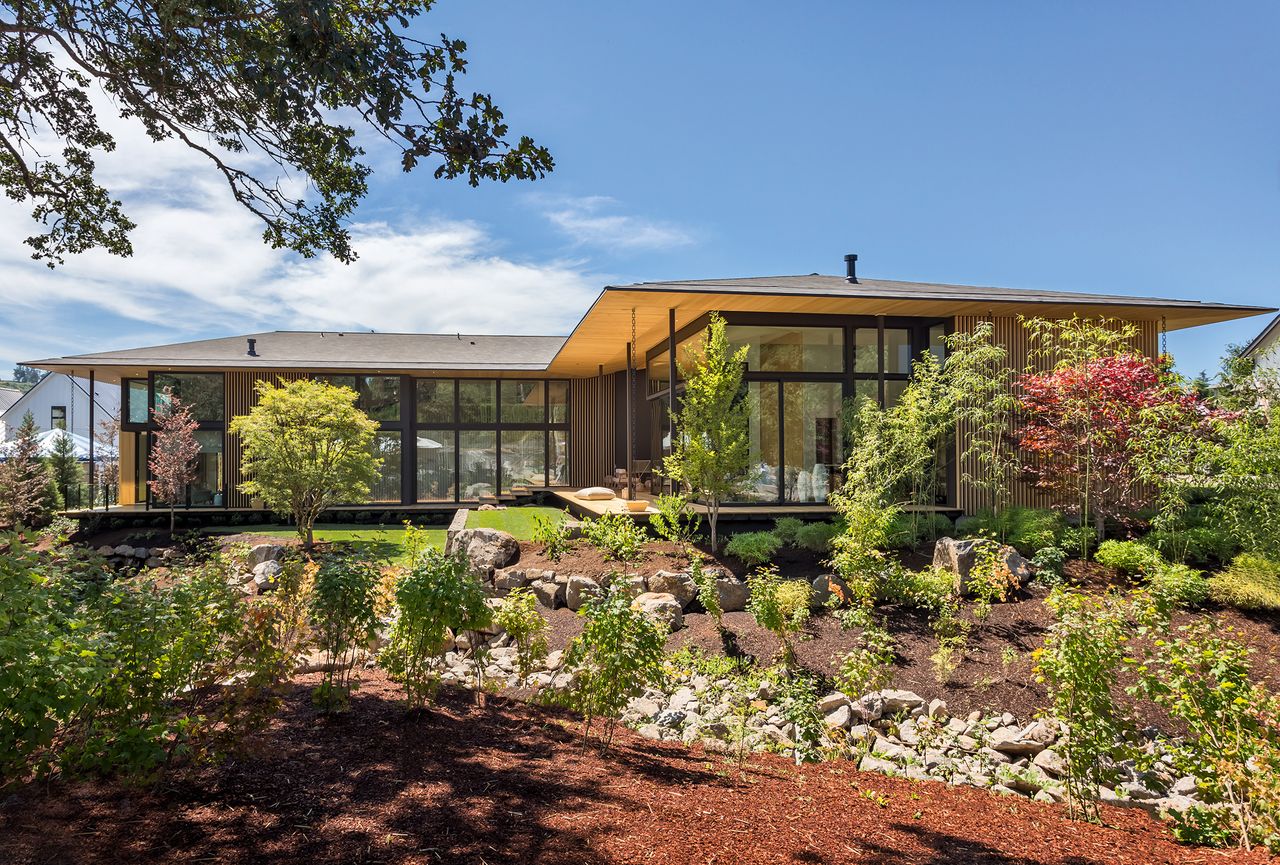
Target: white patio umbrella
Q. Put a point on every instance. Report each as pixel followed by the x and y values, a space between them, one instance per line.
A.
pixel 79 444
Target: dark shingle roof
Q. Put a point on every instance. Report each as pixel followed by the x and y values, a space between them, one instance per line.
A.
pixel 285 349
pixel 1259 342
pixel 819 285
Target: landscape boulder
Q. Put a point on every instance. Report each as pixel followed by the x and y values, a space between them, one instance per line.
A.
pixel 486 550
pixel 734 593
pixel 827 586
pixel 579 590
pixel 680 586
pixel 264 553
pixel 265 574
pixel 549 593
pixel 662 608
pixel 506 579
pixel 959 557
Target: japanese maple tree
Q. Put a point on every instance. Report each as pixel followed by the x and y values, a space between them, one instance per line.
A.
pixel 1085 426
pixel 173 452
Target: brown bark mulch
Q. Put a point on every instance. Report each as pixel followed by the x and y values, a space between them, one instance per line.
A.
pixel 512 783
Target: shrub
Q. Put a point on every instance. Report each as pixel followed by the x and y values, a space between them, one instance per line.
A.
pixel 553 534
pixel 1078 662
pixel 674 520
pixel 799 699
pixel 928 590
pixel 1250 583
pixel 1202 677
pixel 1131 557
pixel 817 537
pixel 753 548
pixel 779 606
pixel 708 591
pixel 952 634
pixel 343 613
pixel 1178 585
pixel 437 594
pixel 1025 529
pixel 869 665
pixel 1048 562
pixel 616 535
pixel 1199 538
pixel 913 529
pixel 785 530
pixel 518 615
pixel 617 655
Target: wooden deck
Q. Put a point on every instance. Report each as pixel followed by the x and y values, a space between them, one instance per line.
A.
pixel 752 512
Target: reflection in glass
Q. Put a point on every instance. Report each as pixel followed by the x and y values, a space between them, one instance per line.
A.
pixel 893 392
pixel 136 396
pixel 477 401
pixel 811 436
pixel 522 401
pixel 790 349
pixel 938 341
pixel 558 471
pixel 386 446
pixel 523 459
pixel 435 400
pixel 201 391
pixel 763 432
pixel 557 401
pixel 897 350
pixel 478 454
pixel 866 349
pixel 435 465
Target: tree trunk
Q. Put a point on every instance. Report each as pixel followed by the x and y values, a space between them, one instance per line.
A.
pixel 172 517
pixel 310 542
pixel 713 512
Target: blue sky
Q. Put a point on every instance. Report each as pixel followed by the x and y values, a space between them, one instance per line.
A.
pixel 1124 148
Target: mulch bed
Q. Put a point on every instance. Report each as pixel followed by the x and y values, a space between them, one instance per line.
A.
pixel 512 783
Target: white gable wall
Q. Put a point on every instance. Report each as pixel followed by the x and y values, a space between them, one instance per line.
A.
pixel 57 389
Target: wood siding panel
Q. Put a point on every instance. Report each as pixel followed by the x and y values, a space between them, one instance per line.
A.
pixel 594 407
pixel 240 398
pixel 1009 332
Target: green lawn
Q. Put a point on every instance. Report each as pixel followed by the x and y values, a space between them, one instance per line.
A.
pixel 387 542
pixel 517 521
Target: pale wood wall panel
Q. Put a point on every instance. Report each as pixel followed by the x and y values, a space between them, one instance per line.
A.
pixel 240 398
pixel 594 408
pixel 1009 332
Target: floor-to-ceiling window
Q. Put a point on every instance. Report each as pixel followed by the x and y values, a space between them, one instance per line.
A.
pixel 203 393
pixel 382 398
pixel 802 371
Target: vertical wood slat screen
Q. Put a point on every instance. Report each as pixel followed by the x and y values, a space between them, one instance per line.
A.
pixel 240 398
pixel 1009 332
pixel 593 427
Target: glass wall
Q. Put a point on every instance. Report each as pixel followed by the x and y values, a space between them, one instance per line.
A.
pixel 206 490
pixel 201 391
pixel 524 459
pixel 387 447
pixel 136 401
pixel 478 459
pixel 437 481
pixel 763 431
pixel 522 401
pixel 811 439
pixel 379 395
pixel 435 400
pixel 557 401
pixel 477 402
pixel 558 452
pixel 773 348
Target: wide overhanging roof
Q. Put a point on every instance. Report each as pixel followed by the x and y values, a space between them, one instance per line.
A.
pixel 339 351
pixel 600 338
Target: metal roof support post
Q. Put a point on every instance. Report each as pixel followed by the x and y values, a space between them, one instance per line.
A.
pixel 630 426
pixel 93 392
pixel 671 381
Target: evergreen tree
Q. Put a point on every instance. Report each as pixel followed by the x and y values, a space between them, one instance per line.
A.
pixel 65 469
pixel 26 489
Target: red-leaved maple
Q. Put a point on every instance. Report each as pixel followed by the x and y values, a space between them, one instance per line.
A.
pixel 1083 426
pixel 173 452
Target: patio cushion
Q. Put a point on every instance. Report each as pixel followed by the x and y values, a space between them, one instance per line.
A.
pixel 594 494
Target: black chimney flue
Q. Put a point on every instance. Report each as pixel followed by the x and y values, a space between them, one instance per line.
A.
pixel 253 347
pixel 851 268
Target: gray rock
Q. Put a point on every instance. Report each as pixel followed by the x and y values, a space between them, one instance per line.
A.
pixel 124 550
pixel 550 594
pixel 938 709
pixel 106 550
pixel 650 731
pixel 826 587
pixel 265 574
pixel 871 763
pixel 1184 786
pixel 839 717
pixel 900 701
pixel 679 586
pixel 141 553
pixel 506 579
pixel 1136 792
pixel 260 553
pixel 662 608
pixel 681 699
pixel 734 594
pixel 869 708
pixel 959 557
pixel 832 701
pixel 644 707
pixel 486 550
pixel 670 719
pixel 155 562
pixel 1051 761
pixel 1010 740
pixel 579 590
pixel 631 585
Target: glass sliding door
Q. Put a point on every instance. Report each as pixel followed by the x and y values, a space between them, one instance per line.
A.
pixel 387 447
pixel 524 459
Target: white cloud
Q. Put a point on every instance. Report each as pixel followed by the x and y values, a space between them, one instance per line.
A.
pixel 200 269
pixel 588 222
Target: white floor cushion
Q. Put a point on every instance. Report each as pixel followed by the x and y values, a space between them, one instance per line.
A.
pixel 594 494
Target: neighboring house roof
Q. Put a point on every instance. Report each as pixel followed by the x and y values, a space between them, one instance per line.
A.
pixel 8 396
pixel 15 411
pixel 337 350
pixel 1265 340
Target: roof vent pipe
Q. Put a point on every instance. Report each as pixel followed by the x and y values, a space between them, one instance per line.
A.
pixel 253 347
pixel 851 268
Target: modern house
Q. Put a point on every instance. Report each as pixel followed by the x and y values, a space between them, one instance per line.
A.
pixel 1264 349
pixel 8 396
pixel 468 417
pixel 62 402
